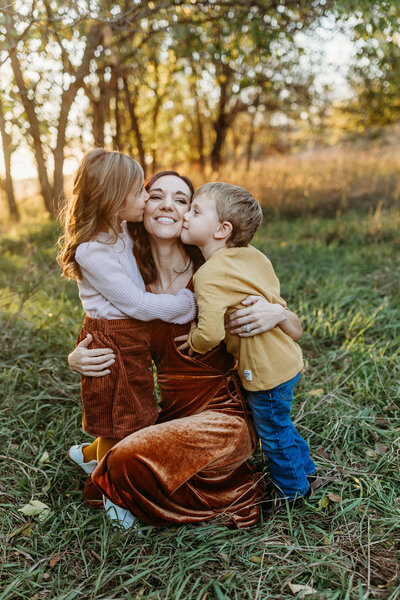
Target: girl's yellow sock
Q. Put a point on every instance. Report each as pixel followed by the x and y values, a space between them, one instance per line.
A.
pixel 98 448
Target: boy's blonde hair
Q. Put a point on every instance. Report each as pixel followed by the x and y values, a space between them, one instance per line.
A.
pixel 101 185
pixel 236 205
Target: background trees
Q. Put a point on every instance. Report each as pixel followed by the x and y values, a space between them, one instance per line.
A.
pixel 189 81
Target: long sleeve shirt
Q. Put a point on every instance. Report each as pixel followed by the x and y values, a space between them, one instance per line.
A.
pixel 113 288
pixel 228 277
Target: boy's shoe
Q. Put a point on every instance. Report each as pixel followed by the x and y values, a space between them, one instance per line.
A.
pixel 76 455
pixel 120 517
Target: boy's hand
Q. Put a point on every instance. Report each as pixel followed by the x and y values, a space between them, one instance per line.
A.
pixel 184 338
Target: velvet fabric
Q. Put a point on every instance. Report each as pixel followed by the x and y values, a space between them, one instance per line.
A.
pixel 191 466
pixel 124 401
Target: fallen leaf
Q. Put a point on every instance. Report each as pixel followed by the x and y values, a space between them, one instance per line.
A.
pixel 54 560
pixel 391 407
pixel 381 449
pixel 44 458
pixel 335 498
pixel 326 541
pixel 371 454
pixel 46 487
pixel 323 503
pixel 305 590
pixel 380 421
pixel 255 559
pixel 46 576
pixel 26 529
pixel 316 392
pixel 322 452
pixel 35 507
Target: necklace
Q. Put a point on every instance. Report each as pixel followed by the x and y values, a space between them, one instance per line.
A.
pixel 176 276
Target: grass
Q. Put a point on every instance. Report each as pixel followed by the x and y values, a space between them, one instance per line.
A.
pixel 342 277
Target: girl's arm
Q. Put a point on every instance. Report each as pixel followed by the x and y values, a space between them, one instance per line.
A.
pixel 102 269
pixel 261 316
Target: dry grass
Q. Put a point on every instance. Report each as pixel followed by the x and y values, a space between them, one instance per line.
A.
pixel 323 182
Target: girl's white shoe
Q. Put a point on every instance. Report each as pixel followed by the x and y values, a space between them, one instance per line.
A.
pixel 76 455
pixel 120 517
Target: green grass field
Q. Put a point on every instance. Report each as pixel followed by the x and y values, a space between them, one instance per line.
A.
pixel 342 277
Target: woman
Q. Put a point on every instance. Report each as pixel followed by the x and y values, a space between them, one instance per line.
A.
pixel 192 465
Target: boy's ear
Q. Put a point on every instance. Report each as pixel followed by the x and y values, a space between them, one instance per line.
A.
pixel 224 231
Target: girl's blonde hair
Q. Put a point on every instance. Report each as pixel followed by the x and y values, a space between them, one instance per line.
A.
pixel 101 185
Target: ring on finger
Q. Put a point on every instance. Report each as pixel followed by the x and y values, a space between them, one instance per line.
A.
pixel 247 328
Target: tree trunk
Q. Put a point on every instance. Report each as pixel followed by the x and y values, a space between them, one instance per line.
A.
pixel 8 184
pixel 99 112
pixel 67 99
pixel 250 141
pixel 117 117
pixel 135 125
pixel 221 127
pixel 34 130
pixel 200 131
pixel 154 164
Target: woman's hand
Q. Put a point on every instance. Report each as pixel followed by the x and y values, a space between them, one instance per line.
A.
pixel 184 339
pixel 91 362
pixel 260 316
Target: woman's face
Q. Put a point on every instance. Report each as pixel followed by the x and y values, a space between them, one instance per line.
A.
pixel 169 199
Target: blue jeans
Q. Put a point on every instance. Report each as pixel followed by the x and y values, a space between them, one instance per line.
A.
pixel 288 454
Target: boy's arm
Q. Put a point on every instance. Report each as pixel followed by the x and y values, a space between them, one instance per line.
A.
pixel 212 301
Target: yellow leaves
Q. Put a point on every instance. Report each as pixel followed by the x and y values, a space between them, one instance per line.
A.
pixel 324 502
pixel 316 392
pixel 26 530
pixel 305 590
pixel 254 558
pixel 35 508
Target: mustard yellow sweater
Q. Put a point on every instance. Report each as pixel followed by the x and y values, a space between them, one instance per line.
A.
pixel 265 360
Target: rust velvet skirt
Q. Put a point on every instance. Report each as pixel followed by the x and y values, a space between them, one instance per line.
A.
pixel 124 401
pixel 191 466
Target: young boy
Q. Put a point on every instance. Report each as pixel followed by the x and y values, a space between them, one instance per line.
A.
pixel 222 221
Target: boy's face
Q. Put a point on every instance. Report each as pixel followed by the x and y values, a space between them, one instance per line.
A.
pixel 201 222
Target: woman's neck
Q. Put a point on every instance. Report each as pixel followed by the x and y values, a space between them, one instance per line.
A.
pixel 173 266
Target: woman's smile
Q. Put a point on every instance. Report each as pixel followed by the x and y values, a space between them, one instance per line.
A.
pixel 169 200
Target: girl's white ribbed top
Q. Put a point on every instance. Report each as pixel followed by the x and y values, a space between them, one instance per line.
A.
pixel 113 288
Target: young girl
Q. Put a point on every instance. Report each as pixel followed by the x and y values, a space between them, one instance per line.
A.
pixel 108 190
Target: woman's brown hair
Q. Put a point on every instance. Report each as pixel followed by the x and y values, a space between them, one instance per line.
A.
pixel 141 244
pixel 101 185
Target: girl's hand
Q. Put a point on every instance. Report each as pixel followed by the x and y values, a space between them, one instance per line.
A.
pixel 91 362
pixel 260 316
